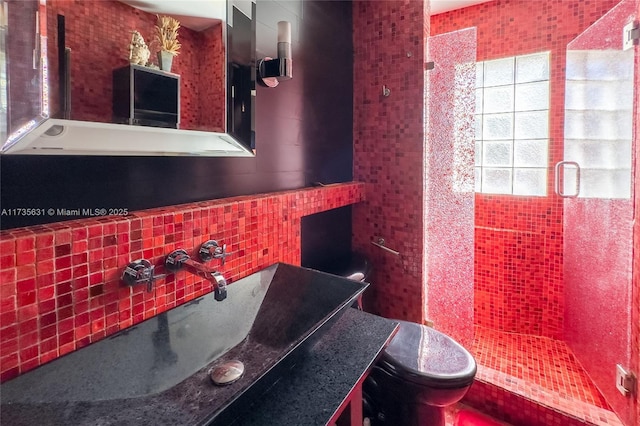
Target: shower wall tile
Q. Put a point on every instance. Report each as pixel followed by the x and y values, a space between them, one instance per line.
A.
pixel 519 294
pixel 389 40
pixel 60 286
pixel 518 265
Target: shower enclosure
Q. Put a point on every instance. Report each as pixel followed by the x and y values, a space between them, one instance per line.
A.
pixel 551 317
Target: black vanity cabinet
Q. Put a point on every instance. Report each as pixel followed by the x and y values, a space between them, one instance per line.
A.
pixel 146 97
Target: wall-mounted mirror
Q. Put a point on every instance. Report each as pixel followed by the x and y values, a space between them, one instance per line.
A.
pixel 76 80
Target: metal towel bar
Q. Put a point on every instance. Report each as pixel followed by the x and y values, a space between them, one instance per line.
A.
pixel 380 243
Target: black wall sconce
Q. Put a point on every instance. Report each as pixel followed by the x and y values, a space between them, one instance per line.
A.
pixel 272 71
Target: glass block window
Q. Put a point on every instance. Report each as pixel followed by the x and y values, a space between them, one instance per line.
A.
pixel 598 127
pixel 512 125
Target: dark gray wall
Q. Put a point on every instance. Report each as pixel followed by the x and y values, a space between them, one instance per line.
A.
pixel 326 241
pixel 303 135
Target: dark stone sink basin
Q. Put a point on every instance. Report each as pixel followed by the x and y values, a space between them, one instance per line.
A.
pixel 267 319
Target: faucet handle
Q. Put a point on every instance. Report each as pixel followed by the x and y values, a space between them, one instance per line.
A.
pixel 212 250
pixel 221 253
pixel 175 260
pixel 140 271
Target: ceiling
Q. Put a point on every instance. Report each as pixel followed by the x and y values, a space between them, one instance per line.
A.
pixel 200 14
pixel 215 9
pixel 439 6
pixel 194 14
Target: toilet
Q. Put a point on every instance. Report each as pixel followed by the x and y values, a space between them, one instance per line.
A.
pixel 419 374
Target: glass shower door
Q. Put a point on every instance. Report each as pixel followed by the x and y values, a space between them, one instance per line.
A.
pixel 595 182
pixel 449 183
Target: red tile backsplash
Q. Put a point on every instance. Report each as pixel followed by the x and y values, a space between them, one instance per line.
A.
pixel 78 297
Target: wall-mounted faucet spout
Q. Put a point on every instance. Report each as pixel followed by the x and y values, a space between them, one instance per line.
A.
pixel 179 259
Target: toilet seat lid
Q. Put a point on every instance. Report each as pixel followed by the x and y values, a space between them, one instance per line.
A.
pixel 427 357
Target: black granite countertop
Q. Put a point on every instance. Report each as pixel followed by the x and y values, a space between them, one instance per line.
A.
pixel 315 388
pixel 308 394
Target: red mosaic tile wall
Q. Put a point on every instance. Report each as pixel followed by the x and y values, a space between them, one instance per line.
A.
pixel 518 264
pixel 389 49
pixel 211 92
pixel 60 287
pixel 201 65
pixel 98 33
pixel 518 255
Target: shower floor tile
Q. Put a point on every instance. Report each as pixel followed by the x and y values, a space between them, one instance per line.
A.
pixel 542 363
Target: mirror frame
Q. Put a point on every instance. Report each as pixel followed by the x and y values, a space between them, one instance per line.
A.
pixel 43 135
